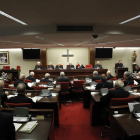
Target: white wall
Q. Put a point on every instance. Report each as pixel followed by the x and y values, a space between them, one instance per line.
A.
pixel 16 58
pixel 54 55
pixel 124 54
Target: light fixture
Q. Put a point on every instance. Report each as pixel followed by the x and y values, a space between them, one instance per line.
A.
pixel 130 19
pixel 15 19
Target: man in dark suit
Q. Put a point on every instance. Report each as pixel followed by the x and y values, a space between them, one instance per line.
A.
pixel 128 79
pixel 137 68
pixel 62 78
pixel 38 66
pixel 3 96
pixel 21 80
pixel 21 97
pixel 104 83
pixel 31 77
pixel 50 67
pixel 7 129
pixel 46 79
pixel 59 66
pixel 70 66
pixel 79 66
pixel 119 64
pixel 109 76
pixel 119 92
pixel 96 76
pixel 98 66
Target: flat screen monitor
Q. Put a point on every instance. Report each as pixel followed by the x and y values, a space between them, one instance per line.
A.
pixel 103 53
pixel 31 53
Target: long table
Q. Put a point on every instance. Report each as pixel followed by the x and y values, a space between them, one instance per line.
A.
pixel 72 72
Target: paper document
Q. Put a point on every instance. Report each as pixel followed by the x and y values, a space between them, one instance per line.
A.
pixel 36 98
pixel 94 93
pixel 17 126
pixel 54 94
pixel 138 114
pixel 88 87
pixel 20 119
pixel 9 96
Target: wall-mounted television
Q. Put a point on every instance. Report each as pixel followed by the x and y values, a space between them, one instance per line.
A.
pixel 31 53
pixel 103 53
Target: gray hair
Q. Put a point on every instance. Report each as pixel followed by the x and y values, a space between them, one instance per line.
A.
pixel 22 77
pixel 119 83
pixel 127 74
pixel 62 73
pixel 21 88
pixel 95 72
pixel 103 77
pixel 47 75
pixel 38 62
pixel 32 73
pixel 109 72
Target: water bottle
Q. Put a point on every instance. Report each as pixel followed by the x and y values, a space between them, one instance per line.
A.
pixel 50 95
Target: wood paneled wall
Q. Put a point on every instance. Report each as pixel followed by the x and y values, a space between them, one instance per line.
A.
pixel 43 58
pixel 92 56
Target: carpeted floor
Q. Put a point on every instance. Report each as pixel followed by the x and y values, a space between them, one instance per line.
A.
pixel 75 124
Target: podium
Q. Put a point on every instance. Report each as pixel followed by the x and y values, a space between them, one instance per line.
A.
pixel 120 72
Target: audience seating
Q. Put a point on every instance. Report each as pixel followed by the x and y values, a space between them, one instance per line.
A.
pixel 6 67
pixel 89 66
pixel 6 85
pixel 13 105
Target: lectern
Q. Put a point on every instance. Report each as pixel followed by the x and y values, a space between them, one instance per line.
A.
pixel 120 72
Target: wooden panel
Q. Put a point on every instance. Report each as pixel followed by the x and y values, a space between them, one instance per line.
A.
pixel 92 56
pixel 43 58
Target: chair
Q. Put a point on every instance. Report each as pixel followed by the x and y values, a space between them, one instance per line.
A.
pixel 89 66
pixel 13 88
pixel 112 79
pixel 78 86
pixel 13 105
pixel 131 85
pixel 6 67
pixel 36 88
pixel 98 81
pixel 64 89
pixel 28 81
pixel 18 67
pixel 120 105
pixel 6 85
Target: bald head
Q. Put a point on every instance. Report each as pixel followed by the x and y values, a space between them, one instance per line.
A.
pixel 119 83
pixel 21 88
pixel 1 84
pixel 103 77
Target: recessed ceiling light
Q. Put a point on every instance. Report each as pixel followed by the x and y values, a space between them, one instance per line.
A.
pixel 130 19
pixel 15 19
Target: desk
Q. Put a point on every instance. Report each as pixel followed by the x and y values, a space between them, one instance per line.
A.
pixel 43 131
pixel 15 73
pixel 120 72
pixel 124 127
pixel 73 72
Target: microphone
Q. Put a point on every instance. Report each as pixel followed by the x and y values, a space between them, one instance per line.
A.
pixel 9 107
pixel 15 78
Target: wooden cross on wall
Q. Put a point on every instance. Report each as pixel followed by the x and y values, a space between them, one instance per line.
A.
pixel 67 55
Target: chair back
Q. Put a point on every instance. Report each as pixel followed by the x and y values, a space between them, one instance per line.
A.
pixel 6 67
pixel 131 85
pixel 28 81
pixel 13 105
pixel 64 85
pixel 6 85
pixel 18 67
pixel 36 88
pixel 89 66
pixel 121 101
pixel 112 79
pixel 78 84
pixel 98 81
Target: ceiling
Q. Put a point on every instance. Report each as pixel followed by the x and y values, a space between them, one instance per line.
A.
pixel 43 16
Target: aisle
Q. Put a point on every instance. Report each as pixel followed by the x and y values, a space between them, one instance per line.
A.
pixel 75 124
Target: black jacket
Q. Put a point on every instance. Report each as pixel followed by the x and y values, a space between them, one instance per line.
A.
pixel 20 98
pixel 70 66
pixel 63 79
pixel 117 93
pixel 7 129
pixel 3 97
pixel 128 81
pixel 20 81
pixel 50 67
pixel 104 85
pixel 59 67
pixel 81 67
pixel 137 70
pixel 119 65
pixel 96 77
pixel 110 77
pixel 36 67
pixel 45 80
pixel 98 66
pixel 31 78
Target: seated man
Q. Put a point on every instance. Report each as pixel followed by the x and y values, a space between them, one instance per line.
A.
pixel 21 80
pixel 7 129
pixel 21 97
pixel 62 78
pixel 3 96
pixel 119 64
pixel 46 79
pixel 79 66
pixel 137 68
pixel 59 66
pixel 50 66
pixel 70 66
pixel 109 76
pixel 119 92
pixel 128 79
pixel 31 77
pixel 38 66
pixel 104 83
pixel 98 66
pixel 96 76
